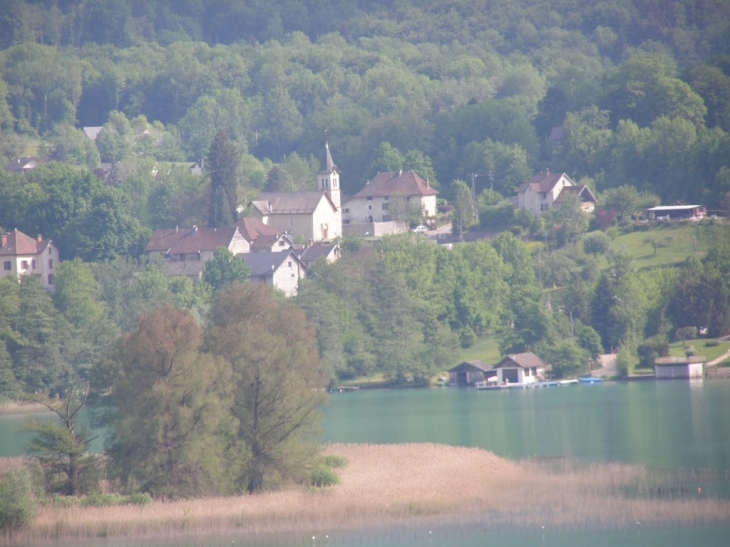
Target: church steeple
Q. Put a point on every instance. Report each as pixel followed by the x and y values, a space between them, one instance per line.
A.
pixel 329 176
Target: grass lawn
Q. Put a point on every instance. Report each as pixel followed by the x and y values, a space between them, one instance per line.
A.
pixel 678 250
pixel 712 352
pixel 486 349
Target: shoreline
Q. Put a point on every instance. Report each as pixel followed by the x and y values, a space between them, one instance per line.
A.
pixel 385 485
pixel 9 408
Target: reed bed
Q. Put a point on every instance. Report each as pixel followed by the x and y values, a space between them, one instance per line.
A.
pixel 20 407
pixel 389 484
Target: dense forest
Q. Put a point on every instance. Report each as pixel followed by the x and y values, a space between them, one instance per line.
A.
pixel 631 98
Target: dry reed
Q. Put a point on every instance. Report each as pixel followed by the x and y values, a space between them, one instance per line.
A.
pixel 384 484
pixel 20 407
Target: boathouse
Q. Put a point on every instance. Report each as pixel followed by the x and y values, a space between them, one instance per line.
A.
pixel 679 367
pixel 520 368
pixel 469 373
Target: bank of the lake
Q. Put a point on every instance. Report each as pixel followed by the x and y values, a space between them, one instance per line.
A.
pixel 388 485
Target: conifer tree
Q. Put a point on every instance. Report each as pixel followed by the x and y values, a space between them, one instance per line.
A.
pixel 222 167
pixel 601 304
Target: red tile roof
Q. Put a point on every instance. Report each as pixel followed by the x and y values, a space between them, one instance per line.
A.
pixel 191 240
pixel 402 183
pixel 20 244
pixel 252 228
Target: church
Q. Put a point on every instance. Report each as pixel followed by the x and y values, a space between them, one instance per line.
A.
pixel 309 215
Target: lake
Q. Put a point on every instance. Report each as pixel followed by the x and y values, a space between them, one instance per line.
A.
pixel 669 424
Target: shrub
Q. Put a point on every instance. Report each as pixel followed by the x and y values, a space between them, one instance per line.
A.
pixel 322 475
pixel 17 503
pixel 335 461
pixel 650 349
pixel 711 343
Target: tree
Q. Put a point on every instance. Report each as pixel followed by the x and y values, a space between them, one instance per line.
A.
pixel 595 243
pixel 168 401
pixel 386 159
pixel 277 381
pixel 657 242
pixel 566 358
pixel 75 293
pixel 604 299
pixel 63 449
pixel 278 180
pixel 17 502
pixel 224 269
pixel 222 164
pixel 465 210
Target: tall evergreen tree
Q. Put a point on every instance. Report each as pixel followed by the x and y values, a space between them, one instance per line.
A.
pixel 601 304
pixel 222 167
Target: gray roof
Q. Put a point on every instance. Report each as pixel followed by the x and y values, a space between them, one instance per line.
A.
pixel 262 264
pixel 524 360
pixel 674 208
pixel 318 250
pixel 481 365
pixel 92 132
pixel 327 165
pixel 189 269
pixel 290 203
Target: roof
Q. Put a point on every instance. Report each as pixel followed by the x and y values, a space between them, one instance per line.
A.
pixel 327 165
pixel 21 164
pixel 262 264
pixel 679 360
pixel 191 240
pixel 481 365
pixel 544 181
pixel 192 268
pixel 583 192
pixel 92 132
pixel 402 183
pixel 318 250
pixel 556 133
pixel 252 228
pixel 290 203
pixel 674 207
pixel 18 243
pixel 524 360
pixel 267 242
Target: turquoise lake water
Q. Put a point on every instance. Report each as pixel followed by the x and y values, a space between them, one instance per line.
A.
pixel 670 424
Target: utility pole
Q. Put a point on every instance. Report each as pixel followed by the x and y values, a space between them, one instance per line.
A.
pixel 473 188
pixel 491 180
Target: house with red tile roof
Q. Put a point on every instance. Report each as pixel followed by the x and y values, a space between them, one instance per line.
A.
pixel 387 203
pixel 22 255
pixel 545 190
pixel 262 238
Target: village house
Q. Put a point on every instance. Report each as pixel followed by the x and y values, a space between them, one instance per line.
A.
pixel 546 190
pixel 306 215
pixel 22 255
pixel 185 251
pixel 282 270
pixel 21 165
pixel 520 368
pixel 309 254
pixel 262 238
pixel 469 373
pixel 387 204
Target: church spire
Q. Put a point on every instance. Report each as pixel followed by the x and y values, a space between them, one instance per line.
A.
pixel 327 165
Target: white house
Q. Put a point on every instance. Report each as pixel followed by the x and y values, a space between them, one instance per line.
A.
pixel 545 190
pixel 520 368
pixel 22 255
pixel 679 367
pixel 314 215
pixel 282 270
pixel 387 202
pixel 263 238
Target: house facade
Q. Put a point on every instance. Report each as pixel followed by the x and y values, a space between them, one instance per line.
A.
pixel 545 190
pixel 282 270
pixel 262 238
pixel 185 251
pixel 520 368
pixel 22 255
pixel 389 200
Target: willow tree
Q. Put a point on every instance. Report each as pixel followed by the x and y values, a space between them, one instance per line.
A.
pixel 277 383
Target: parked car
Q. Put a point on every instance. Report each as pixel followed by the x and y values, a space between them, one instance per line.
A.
pixel 420 229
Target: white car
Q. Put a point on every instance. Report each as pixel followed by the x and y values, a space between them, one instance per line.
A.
pixel 420 229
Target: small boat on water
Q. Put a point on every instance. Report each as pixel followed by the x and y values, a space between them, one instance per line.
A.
pixel 571 382
pixel 590 380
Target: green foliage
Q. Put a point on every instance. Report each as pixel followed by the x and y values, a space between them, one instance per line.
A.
pixel 567 359
pixel 222 165
pixel 17 502
pixel 224 269
pixel 595 243
pixel 650 349
pixel 626 360
pixel 323 475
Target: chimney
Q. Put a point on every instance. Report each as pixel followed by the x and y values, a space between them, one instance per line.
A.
pixel 427 186
pixel 5 240
pixel 547 170
pixel 40 238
